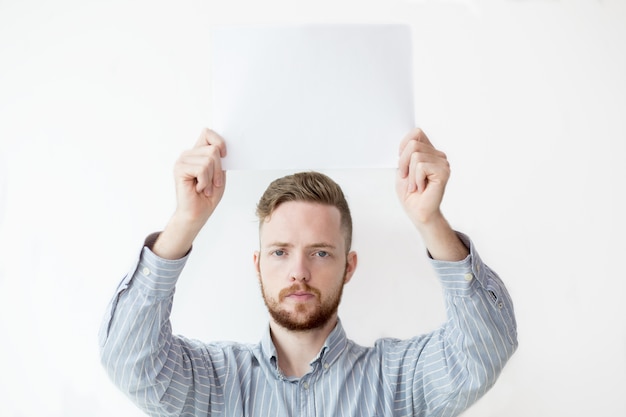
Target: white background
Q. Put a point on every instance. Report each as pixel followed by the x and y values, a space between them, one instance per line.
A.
pixel 527 98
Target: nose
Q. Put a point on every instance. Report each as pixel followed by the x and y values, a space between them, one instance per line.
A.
pixel 299 277
pixel 299 270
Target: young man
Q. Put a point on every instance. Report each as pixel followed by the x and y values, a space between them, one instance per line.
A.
pixel 305 365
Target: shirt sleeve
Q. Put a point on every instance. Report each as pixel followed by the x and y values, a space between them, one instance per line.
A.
pixel 480 334
pixel 451 368
pixel 137 348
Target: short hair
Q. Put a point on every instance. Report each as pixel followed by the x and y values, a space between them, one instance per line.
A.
pixel 310 187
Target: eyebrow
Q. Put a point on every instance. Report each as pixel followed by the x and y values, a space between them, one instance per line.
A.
pixel 320 245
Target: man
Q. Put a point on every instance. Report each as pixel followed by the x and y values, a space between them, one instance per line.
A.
pixel 305 365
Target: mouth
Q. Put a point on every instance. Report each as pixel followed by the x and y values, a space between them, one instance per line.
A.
pixel 299 294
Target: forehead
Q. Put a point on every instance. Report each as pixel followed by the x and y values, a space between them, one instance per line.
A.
pixel 302 222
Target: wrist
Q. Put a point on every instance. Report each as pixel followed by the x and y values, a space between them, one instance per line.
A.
pixel 176 239
pixel 441 241
pixel 430 221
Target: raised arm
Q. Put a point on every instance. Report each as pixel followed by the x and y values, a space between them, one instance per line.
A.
pixel 157 370
pixel 454 366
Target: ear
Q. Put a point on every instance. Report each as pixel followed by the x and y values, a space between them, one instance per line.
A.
pixel 351 261
pixel 257 263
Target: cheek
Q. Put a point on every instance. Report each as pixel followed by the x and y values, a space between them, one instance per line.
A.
pixel 267 291
pixel 270 270
pixel 269 279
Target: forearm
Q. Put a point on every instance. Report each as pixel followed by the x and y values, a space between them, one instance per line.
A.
pixel 441 241
pixel 175 241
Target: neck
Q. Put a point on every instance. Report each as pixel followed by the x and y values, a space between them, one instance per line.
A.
pixel 296 350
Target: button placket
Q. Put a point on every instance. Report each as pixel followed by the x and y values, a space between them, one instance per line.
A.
pixel 306 402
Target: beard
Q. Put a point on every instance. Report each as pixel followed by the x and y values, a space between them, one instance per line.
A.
pixel 303 317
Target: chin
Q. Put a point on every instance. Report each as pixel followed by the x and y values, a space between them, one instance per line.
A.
pixel 300 321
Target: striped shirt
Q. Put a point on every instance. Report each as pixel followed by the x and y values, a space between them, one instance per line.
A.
pixel 436 374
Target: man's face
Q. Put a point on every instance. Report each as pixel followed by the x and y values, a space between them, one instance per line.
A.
pixel 302 264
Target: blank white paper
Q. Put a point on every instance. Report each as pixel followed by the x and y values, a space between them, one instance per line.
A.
pixel 311 96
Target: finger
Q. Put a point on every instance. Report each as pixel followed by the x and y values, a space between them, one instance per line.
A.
pixel 403 164
pixel 194 171
pixel 407 147
pixel 417 174
pixel 426 153
pixel 412 147
pixel 191 169
pixel 421 137
pixel 204 165
pixel 219 176
pixel 415 141
pixel 205 179
pixel 214 176
pixel 416 134
pixel 210 138
pixel 211 177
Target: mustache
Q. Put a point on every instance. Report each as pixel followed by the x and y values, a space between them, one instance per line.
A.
pixel 295 288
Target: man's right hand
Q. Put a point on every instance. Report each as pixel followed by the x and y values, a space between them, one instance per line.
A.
pixel 200 184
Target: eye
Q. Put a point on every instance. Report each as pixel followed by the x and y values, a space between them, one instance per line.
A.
pixel 322 254
pixel 278 252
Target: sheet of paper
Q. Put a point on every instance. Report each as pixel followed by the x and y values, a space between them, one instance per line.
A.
pixel 311 96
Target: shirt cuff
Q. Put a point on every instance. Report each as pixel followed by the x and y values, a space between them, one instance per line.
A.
pixel 457 278
pixel 156 276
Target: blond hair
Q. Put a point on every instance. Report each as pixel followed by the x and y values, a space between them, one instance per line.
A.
pixel 310 187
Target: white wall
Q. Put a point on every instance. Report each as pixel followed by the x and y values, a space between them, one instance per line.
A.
pixel 528 99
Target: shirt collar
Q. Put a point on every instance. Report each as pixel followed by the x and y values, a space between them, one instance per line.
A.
pixel 333 346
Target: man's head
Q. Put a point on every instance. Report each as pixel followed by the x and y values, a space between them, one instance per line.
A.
pixel 310 187
pixel 304 258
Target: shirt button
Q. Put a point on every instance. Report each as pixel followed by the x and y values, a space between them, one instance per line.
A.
pixel 468 277
pixel 146 271
pixel 326 366
pixel 305 385
pixel 500 305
